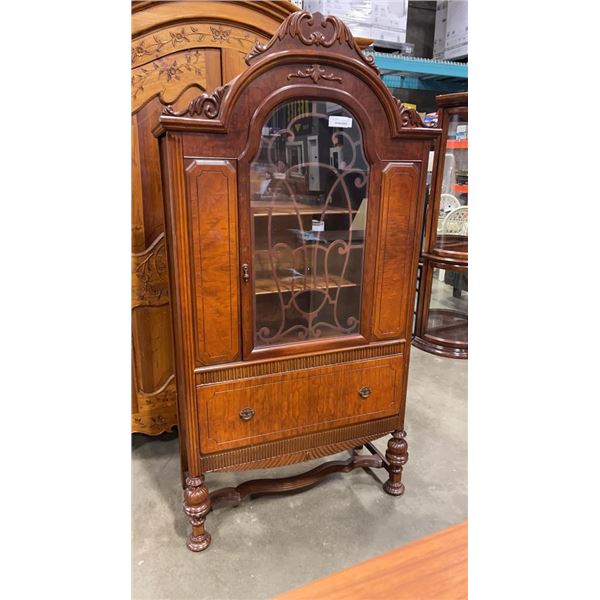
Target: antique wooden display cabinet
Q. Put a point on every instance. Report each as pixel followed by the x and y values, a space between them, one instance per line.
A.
pixel 441 325
pixel 293 198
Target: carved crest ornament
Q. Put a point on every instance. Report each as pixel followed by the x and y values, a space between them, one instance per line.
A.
pixel 312 30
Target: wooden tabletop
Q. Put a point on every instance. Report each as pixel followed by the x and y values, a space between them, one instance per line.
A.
pixel 434 567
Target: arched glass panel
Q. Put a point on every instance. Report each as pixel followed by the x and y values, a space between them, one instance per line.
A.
pixel 309 209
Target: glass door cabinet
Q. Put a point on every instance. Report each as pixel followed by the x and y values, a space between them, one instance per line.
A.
pixel 441 325
pixel 293 198
pixel 309 190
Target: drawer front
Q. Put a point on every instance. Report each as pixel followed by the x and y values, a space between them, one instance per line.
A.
pixel 263 409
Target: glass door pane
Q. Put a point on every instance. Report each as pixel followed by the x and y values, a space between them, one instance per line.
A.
pixel 309 208
pixel 452 230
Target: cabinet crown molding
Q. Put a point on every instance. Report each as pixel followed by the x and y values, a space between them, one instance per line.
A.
pixel 312 30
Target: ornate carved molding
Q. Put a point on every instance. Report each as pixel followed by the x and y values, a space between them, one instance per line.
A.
pixel 409 117
pixel 219 373
pixel 150 284
pixel 194 35
pixel 312 30
pixel 205 105
pixel 316 73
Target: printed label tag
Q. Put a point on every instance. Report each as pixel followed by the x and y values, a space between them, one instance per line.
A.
pixel 318 225
pixel 337 121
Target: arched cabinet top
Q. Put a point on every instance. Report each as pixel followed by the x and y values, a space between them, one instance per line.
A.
pixel 309 56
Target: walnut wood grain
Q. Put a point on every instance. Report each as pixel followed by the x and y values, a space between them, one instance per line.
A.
pixel 298 449
pixel 292 403
pixel 394 259
pixel 241 370
pixel 435 566
pixel 214 237
pixel 300 400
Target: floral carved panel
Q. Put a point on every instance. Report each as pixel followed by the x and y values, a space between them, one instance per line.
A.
pixel 161 43
pixel 168 77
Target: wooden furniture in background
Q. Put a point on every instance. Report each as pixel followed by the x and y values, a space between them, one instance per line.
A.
pixel 441 325
pixel 293 197
pixel 433 567
pixel 178 49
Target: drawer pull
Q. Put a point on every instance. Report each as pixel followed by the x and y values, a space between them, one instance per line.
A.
pixel 247 413
pixel 364 392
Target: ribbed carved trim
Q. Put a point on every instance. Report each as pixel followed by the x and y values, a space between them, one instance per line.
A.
pixel 218 375
pixel 299 449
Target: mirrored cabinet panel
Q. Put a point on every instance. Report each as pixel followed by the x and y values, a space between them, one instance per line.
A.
pixel 309 194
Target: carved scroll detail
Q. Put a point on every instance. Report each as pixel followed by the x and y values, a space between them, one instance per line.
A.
pixel 312 30
pixel 206 105
pixel 149 271
pixel 316 73
pixel 409 117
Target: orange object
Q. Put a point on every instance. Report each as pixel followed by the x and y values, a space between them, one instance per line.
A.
pixel 432 567
pixel 461 188
pixel 457 144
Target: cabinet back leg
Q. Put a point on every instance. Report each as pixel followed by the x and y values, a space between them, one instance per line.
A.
pixel 397 456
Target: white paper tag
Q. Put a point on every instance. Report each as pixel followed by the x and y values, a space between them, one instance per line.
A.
pixel 318 225
pixel 337 121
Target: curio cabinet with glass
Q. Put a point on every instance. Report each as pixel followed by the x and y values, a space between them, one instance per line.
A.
pixel 441 324
pixel 293 199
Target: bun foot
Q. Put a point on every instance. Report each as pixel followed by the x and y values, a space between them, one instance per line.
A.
pixel 397 456
pixel 394 489
pixel 197 543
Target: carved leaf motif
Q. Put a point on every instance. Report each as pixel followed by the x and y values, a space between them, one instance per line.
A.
pixel 409 117
pixel 315 73
pixel 206 105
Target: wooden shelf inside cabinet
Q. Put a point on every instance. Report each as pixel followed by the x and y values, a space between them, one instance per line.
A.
pixel 266 285
pixel 264 209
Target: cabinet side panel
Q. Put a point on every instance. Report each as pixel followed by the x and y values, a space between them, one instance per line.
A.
pixel 214 234
pixel 396 240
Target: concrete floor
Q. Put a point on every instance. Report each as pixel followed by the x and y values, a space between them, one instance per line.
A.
pixel 268 545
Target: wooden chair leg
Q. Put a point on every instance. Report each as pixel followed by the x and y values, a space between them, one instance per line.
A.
pixel 397 456
pixel 196 505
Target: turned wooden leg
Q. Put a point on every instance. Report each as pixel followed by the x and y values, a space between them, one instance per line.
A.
pixel 396 455
pixel 196 504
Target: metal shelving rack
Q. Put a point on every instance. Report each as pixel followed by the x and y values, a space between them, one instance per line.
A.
pixel 421 73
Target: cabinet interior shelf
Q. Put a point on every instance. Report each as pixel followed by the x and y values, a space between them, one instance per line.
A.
pixel 291 210
pixel 266 285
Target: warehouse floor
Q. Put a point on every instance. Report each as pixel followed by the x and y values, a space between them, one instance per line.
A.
pixel 271 544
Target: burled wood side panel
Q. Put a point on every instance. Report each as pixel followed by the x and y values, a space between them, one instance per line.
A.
pixel 396 241
pixel 212 190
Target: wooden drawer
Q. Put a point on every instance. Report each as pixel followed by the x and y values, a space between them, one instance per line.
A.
pixel 285 405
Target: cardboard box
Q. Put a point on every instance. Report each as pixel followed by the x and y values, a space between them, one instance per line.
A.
pixel 451 37
pixel 384 21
